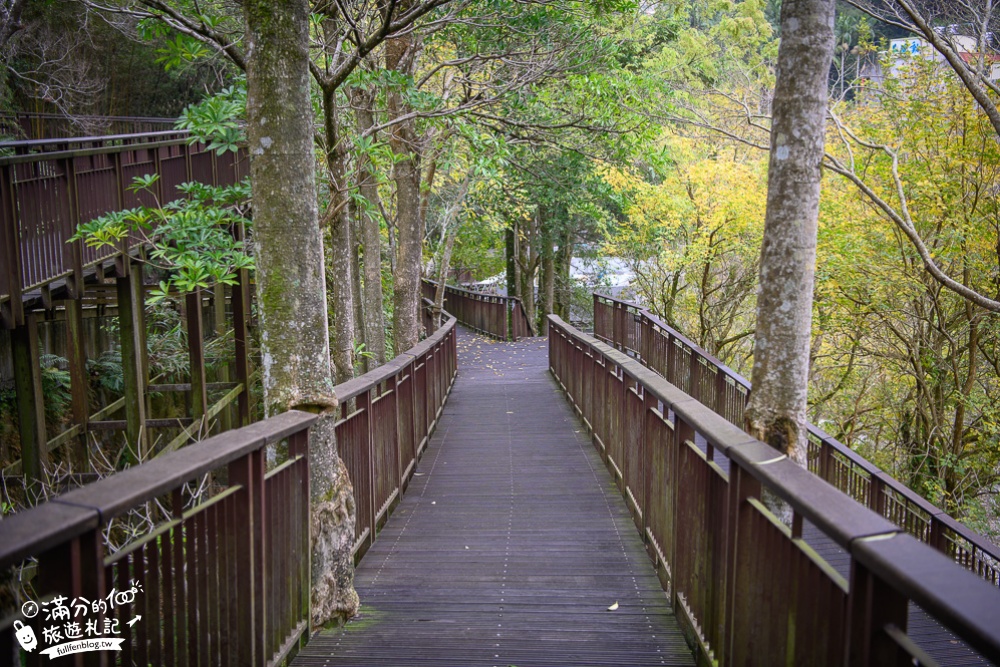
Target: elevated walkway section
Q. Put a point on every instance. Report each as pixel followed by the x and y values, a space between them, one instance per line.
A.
pixel 512 545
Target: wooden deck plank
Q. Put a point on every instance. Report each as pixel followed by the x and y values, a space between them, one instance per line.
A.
pixel 510 543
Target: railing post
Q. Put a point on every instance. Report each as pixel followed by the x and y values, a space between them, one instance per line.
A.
pixel 73 569
pixel 720 392
pixel 872 606
pixel 364 403
pixel 130 318
pixel 119 172
pixel 683 432
pixel 671 358
pixel 196 355
pixel 72 252
pixel 158 168
pixel 937 537
pixel 742 487
pixel 298 445
pixel 219 312
pixel 825 460
pixel 248 472
pixel 30 402
pixel 76 355
pixel 619 327
pixel 11 312
pixel 180 558
pixel 240 297
pixel 645 339
pixel 597 318
pixel 876 497
pixel 695 375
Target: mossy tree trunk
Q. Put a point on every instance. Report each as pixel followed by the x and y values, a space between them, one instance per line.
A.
pixel 510 266
pixel 371 240
pixel 547 277
pixel 776 413
pixel 291 282
pixel 563 294
pixel 401 56
pixel 342 253
pixel 527 260
pixel 449 226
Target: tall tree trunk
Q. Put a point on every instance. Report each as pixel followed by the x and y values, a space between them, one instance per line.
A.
pixel 354 211
pixel 547 278
pixel 449 245
pixel 401 57
pixel 371 239
pixel 563 287
pixel 291 282
pixel 510 260
pixel 341 249
pixel 776 413
pixel 527 258
pixel 449 226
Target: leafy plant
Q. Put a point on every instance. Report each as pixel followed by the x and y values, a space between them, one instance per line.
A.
pixel 190 237
pixel 106 372
pixel 55 386
pixel 217 120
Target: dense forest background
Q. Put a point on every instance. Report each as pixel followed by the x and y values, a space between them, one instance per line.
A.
pixel 522 140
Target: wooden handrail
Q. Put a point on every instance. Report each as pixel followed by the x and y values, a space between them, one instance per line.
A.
pixel 60 147
pixel 631 329
pixel 54 125
pixel 744 579
pixel 225 542
pixel 250 540
pixel 387 416
pixel 502 317
pixel 77 180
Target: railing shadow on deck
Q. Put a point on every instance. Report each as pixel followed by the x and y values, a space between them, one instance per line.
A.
pixel 634 330
pixel 224 580
pixel 746 586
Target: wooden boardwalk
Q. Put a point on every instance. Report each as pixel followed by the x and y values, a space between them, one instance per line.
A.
pixel 510 544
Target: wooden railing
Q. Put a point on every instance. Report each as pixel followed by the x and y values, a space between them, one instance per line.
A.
pixel 52 125
pixel 502 317
pixel 49 187
pixel 225 581
pixel 387 417
pixel 636 331
pixel 746 585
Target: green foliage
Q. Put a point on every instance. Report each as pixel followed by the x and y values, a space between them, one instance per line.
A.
pixel 55 386
pixel 106 372
pixel 217 121
pixel 181 51
pixel 190 237
pixel 907 371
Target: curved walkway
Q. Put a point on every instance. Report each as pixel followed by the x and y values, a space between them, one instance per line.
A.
pixel 510 544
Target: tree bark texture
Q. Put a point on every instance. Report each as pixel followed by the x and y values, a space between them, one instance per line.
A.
pixel 357 296
pixel 527 258
pixel 547 278
pixel 449 225
pixel 776 413
pixel 510 261
pixel 371 240
pixel 291 282
pixel 401 56
pixel 563 295
pixel 341 249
